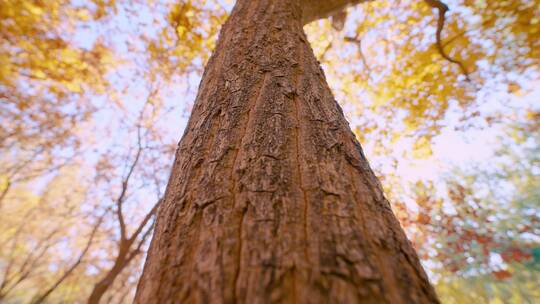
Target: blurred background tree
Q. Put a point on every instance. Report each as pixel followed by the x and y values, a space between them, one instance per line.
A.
pixel 94 96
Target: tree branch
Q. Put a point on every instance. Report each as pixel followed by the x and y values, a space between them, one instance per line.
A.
pixel 358 43
pixel 137 249
pixel 317 9
pixel 27 266
pixel 5 191
pixel 144 221
pixel 125 184
pixel 443 8
pixel 67 273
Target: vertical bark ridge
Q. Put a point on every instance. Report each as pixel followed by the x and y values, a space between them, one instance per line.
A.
pixel 239 262
pixel 246 127
pixel 270 197
pixel 297 128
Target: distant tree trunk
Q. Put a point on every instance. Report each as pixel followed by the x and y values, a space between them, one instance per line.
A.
pixel 99 289
pixel 271 198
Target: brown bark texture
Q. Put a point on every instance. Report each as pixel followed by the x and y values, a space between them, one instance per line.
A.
pixel 271 199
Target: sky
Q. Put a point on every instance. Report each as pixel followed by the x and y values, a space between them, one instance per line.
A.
pixel 110 133
pixel 452 148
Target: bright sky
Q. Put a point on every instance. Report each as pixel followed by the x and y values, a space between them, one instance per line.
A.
pixel 451 148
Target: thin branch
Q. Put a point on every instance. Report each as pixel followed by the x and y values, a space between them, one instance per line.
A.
pixel 144 221
pixel 326 49
pixel 5 192
pixel 123 258
pixel 449 41
pixel 443 8
pixel 125 184
pixel 68 272
pixel 358 43
pixel 10 262
pixel 25 270
pixel 137 249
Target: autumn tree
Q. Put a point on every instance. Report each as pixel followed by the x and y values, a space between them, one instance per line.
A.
pixel 76 75
pixel 132 232
pixel 478 226
pixel 270 197
pixel 49 84
pixel 45 81
pixel 30 244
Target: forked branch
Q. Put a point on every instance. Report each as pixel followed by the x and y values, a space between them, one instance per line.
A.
pixel 358 41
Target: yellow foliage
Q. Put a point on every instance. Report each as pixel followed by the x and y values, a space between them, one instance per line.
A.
pixel 42 74
pixel 384 68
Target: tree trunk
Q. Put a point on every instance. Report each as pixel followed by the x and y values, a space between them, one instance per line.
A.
pixel 271 198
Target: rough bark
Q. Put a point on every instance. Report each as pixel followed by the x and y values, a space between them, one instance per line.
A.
pixel 270 197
